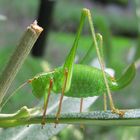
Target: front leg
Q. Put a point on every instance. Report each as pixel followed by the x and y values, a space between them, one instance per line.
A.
pixel 46 101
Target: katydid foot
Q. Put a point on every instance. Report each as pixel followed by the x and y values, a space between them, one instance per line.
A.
pixel 57 120
pixel 117 111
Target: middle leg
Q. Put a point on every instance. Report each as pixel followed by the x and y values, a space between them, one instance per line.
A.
pixel 62 95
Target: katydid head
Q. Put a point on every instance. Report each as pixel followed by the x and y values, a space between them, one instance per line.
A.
pixel 40 84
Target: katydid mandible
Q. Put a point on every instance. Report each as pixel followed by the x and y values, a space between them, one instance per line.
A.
pixel 78 80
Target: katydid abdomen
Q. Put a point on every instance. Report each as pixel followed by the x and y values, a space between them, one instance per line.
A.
pixel 86 81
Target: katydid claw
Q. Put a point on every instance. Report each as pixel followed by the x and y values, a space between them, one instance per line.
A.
pixel 119 112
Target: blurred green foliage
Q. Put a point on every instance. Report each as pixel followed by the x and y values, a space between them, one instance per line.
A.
pixel 116 20
pixel 137 51
pixel 66 19
pixel 137 10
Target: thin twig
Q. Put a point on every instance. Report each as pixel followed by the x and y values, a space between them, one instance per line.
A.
pixel 27 116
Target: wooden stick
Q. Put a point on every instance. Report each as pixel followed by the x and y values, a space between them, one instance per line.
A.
pixel 20 54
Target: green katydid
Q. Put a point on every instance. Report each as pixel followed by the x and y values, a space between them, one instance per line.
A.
pixel 78 80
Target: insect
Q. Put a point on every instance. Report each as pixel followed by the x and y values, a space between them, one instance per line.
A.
pixel 78 80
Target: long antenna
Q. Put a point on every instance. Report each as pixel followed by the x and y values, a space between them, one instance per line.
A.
pixel 5 102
